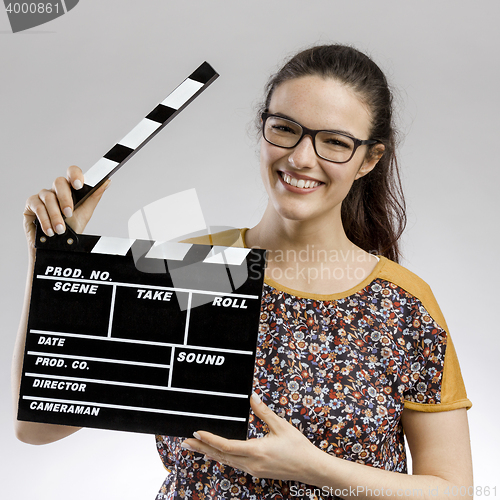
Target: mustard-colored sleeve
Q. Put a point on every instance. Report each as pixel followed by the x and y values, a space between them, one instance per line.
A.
pixel 452 388
pixel 228 238
pixel 453 393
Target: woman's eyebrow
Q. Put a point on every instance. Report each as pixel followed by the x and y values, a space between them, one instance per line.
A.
pixel 345 132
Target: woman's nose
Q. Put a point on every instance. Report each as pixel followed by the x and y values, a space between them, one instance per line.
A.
pixel 303 154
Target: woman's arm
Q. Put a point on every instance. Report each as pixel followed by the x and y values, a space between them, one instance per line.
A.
pixel 30 432
pixel 439 443
pixel 50 207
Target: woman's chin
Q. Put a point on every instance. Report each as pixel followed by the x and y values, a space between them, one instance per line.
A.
pixel 297 213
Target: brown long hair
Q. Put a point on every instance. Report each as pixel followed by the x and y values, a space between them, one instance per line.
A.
pixel 373 212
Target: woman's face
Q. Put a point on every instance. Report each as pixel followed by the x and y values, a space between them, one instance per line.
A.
pixel 319 104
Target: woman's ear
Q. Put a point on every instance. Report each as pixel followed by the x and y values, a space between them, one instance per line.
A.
pixel 371 160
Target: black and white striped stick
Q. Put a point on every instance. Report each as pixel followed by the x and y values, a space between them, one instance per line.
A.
pixel 145 130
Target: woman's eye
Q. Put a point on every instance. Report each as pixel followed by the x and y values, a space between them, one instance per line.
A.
pixel 337 143
pixel 283 129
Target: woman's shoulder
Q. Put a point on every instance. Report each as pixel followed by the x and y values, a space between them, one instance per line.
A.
pixel 405 279
pixel 227 238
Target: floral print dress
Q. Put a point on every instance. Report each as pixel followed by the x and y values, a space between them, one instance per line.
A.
pixel 340 368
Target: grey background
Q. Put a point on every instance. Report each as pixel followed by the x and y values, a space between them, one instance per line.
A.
pixel 71 88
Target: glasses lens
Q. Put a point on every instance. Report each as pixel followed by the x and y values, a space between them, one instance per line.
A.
pixel 282 132
pixel 334 147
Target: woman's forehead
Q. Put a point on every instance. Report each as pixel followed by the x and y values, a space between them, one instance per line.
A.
pixel 322 103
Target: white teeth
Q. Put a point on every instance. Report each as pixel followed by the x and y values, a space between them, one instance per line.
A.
pixel 300 183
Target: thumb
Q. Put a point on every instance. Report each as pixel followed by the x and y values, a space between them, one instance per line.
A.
pixel 264 413
pixel 84 212
pixel 92 201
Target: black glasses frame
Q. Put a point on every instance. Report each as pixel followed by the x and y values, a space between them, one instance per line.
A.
pixel 313 133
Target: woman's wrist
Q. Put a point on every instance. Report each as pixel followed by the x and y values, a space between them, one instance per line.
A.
pixel 313 463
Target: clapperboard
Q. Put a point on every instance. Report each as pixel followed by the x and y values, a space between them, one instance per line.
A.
pixel 141 335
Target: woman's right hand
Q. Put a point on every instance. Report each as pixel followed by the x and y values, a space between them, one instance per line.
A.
pixel 52 206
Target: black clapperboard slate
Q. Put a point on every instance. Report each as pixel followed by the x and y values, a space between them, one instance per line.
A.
pixel 138 335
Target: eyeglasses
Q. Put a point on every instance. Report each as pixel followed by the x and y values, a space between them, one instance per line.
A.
pixel 336 147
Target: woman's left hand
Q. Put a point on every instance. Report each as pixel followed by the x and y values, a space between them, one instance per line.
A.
pixel 284 453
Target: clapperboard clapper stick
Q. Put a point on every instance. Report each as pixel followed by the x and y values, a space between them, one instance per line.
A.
pixel 145 130
pixel 167 351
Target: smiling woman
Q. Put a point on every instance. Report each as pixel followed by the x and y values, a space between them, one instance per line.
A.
pixel 325 103
pixel 353 352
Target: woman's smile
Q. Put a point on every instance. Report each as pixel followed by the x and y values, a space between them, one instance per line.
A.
pixel 297 183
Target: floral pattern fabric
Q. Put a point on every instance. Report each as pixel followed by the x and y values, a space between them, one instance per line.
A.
pixel 338 370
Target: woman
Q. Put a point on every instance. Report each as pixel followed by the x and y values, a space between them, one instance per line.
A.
pixel 353 349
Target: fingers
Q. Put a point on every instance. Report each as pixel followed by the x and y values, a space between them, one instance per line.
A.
pixel 52 211
pixel 34 209
pixel 218 449
pixel 217 446
pixel 46 208
pixel 218 442
pixel 75 177
pixel 265 414
pixel 84 212
pixel 62 189
pixel 55 209
pixel 214 446
pixel 51 206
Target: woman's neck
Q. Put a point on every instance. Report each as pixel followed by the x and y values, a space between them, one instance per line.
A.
pixel 313 256
pixel 274 232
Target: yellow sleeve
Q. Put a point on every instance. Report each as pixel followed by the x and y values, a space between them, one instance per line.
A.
pixel 453 393
pixel 446 377
pixel 229 238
